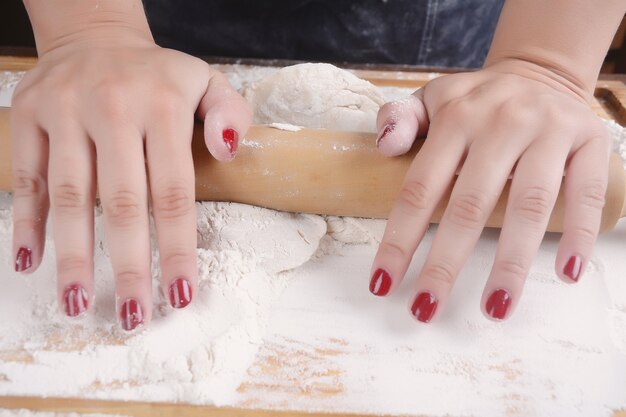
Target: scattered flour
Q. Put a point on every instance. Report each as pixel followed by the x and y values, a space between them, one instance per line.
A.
pixel 196 355
pixel 286 126
pixel 306 276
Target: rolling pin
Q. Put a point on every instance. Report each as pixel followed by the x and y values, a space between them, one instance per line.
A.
pixel 324 172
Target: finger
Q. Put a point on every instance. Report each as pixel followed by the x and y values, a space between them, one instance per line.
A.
pixel 71 179
pixel 399 123
pixel 227 117
pixel 585 188
pixel 425 183
pixel 473 197
pixel 171 173
pixel 123 192
pixel 30 191
pixel 533 192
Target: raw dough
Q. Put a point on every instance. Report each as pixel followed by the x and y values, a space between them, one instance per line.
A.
pixel 316 96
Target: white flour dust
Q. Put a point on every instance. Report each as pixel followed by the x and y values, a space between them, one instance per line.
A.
pixel 307 276
pixel 198 354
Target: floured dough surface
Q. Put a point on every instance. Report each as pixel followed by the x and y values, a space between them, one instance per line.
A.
pixel 315 96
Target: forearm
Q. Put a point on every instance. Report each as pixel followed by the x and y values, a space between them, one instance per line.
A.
pixel 569 38
pixel 56 22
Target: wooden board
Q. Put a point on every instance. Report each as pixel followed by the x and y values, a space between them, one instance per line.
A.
pixel 287 376
pixel 609 103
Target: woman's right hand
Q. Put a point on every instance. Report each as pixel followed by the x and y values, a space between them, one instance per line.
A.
pixel 112 108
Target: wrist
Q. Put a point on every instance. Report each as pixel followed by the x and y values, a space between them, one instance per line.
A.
pixel 543 69
pixel 60 22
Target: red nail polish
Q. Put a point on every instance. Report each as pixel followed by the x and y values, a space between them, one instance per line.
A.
pixel 180 293
pixel 389 127
pixel 231 139
pixel 380 283
pixel 498 303
pixel 573 267
pixel 131 314
pixel 424 306
pixel 24 259
pixel 75 300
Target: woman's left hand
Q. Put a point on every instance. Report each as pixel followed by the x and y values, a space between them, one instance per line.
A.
pixel 511 118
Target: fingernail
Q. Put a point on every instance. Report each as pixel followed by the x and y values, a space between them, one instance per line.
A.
pixel 424 306
pixel 131 314
pixel 24 259
pixel 573 267
pixel 380 283
pixel 231 139
pixel 389 127
pixel 498 303
pixel 180 293
pixel 75 300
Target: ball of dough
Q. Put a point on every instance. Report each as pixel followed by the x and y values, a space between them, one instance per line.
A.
pixel 316 96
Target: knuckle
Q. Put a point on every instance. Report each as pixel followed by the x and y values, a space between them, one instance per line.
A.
pixel 509 109
pixel 516 113
pixel 112 98
pixel 468 210
pixel 551 110
pixel 29 224
pixel 442 272
pixel 592 195
pixel 585 235
pixel 70 263
pixel 415 195
pixel 68 196
pixel 456 109
pixel 129 278
pixel 534 204
pixel 167 102
pixel 513 267
pixel 173 202
pixel 26 184
pixel 65 96
pixel 178 257
pixel 122 208
pixel 393 249
pixel 24 100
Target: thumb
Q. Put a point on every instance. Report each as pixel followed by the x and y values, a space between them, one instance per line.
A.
pixel 400 122
pixel 227 117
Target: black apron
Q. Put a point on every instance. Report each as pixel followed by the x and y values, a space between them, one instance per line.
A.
pixel 442 33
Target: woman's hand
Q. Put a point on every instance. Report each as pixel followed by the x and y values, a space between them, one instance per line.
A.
pixel 512 117
pixel 109 107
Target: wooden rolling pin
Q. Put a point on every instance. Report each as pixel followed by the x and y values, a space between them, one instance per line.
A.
pixel 323 172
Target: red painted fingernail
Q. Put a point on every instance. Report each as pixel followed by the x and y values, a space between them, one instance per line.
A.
pixel 424 306
pixel 380 283
pixel 75 300
pixel 180 293
pixel 573 267
pixel 24 259
pixel 498 303
pixel 389 127
pixel 231 139
pixel 131 314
